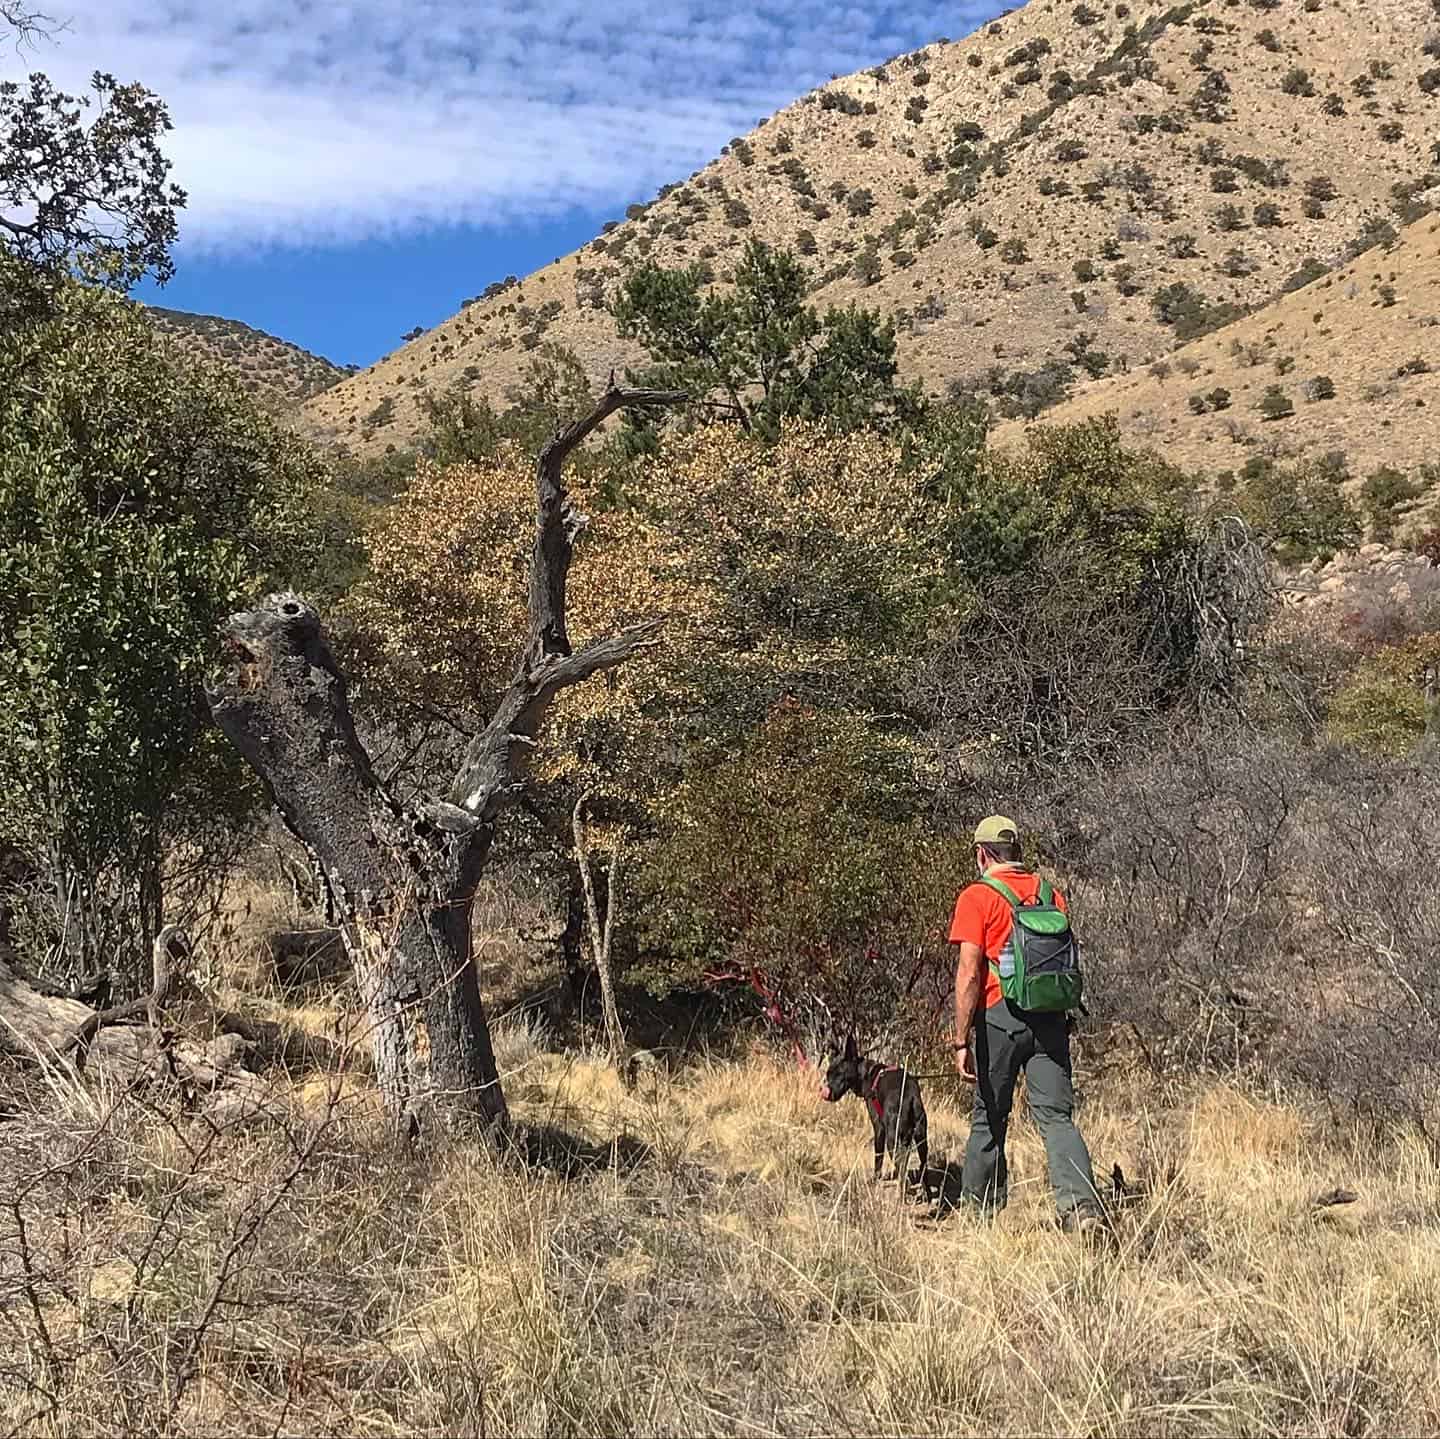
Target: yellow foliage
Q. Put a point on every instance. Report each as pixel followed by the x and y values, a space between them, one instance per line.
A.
pixel 809 556
pixel 443 609
pixel 443 603
pixel 820 553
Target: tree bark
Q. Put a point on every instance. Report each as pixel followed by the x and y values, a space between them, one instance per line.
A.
pixel 398 876
pixel 403 877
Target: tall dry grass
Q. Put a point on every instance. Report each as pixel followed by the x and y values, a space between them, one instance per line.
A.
pixel 702 1254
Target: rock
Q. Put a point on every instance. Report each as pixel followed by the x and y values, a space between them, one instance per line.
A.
pixel 37 1027
pixel 112 1283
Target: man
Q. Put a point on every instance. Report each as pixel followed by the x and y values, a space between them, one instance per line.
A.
pixel 1007 1040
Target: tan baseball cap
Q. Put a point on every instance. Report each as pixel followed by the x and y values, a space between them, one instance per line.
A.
pixel 996 829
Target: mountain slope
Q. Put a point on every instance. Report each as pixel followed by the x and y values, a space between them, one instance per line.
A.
pixel 1371 329
pixel 959 187
pixel 280 375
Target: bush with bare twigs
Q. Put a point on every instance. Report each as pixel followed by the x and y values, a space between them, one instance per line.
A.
pixel 1256 908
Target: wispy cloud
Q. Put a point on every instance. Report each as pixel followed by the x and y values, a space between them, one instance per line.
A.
pixel 322 121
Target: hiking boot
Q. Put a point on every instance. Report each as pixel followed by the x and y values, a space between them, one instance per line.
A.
pixel 1093 1228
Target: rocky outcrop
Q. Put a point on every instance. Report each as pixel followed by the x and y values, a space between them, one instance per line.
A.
pixel 1367 584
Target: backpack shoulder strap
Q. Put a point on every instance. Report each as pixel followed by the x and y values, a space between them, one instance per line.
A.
pixel 1003 889
pixel 1047 893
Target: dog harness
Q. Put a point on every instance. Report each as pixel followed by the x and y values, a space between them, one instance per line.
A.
pixel 872 1098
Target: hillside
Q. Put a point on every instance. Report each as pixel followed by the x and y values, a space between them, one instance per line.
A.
pixel 1013 198
pixel 281 375
pixel 1371 329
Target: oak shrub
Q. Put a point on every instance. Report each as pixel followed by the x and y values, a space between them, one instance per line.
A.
pixel 772 768
pixel 800 865
pixel 1380 706
pixel 140 500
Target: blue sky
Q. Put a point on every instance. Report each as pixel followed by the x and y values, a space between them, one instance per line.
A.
pixel 358 167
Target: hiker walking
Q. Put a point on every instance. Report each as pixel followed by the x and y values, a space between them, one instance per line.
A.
pixel 1017 978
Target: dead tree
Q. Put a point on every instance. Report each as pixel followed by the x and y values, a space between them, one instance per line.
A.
pixel 403 876
pixel 601 934
pixel 1431 738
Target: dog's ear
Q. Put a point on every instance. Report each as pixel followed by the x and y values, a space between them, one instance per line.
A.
pixel 850 1051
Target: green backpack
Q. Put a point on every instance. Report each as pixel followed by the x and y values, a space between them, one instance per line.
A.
pixel 1039 968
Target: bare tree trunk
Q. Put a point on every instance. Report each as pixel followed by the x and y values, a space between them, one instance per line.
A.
pixel 399 876
pixel 1432 707
pixel 403 877
pixel 600 936
pixel 558 828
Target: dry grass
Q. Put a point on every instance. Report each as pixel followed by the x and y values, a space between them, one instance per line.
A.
pixel 701 1255
pixel 964 308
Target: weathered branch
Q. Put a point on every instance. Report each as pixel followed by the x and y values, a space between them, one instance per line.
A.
pixel 557 522
pixel 172 946
pixel 211 1072
pixel 496 762
pixel 600 937
pixel 497 759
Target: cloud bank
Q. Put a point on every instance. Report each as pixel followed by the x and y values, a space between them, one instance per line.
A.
pixel 305 122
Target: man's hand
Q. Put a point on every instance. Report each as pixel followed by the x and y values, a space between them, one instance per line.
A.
pixel 965 1062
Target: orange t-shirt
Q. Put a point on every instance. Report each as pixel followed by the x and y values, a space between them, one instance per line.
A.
pixel 983 917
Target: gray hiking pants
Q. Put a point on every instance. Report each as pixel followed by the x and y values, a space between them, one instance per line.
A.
pixel 1008 1041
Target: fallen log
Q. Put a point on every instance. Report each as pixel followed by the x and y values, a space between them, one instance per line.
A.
pixel 171 949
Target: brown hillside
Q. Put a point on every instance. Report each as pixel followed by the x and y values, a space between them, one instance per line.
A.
pixel 1382 359
pixel 280 375
pixel 1101 135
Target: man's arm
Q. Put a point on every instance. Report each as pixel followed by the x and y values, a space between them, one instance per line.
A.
pixel 969 988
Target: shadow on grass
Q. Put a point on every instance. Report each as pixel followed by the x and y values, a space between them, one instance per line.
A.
pixel 543 1146
pixel 684 1021
pixel 941 1190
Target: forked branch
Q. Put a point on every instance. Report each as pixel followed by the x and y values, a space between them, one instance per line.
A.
pixel 601 935
pixel 26 25
pixel 497 759
pixel 172 947
pixel 558 522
